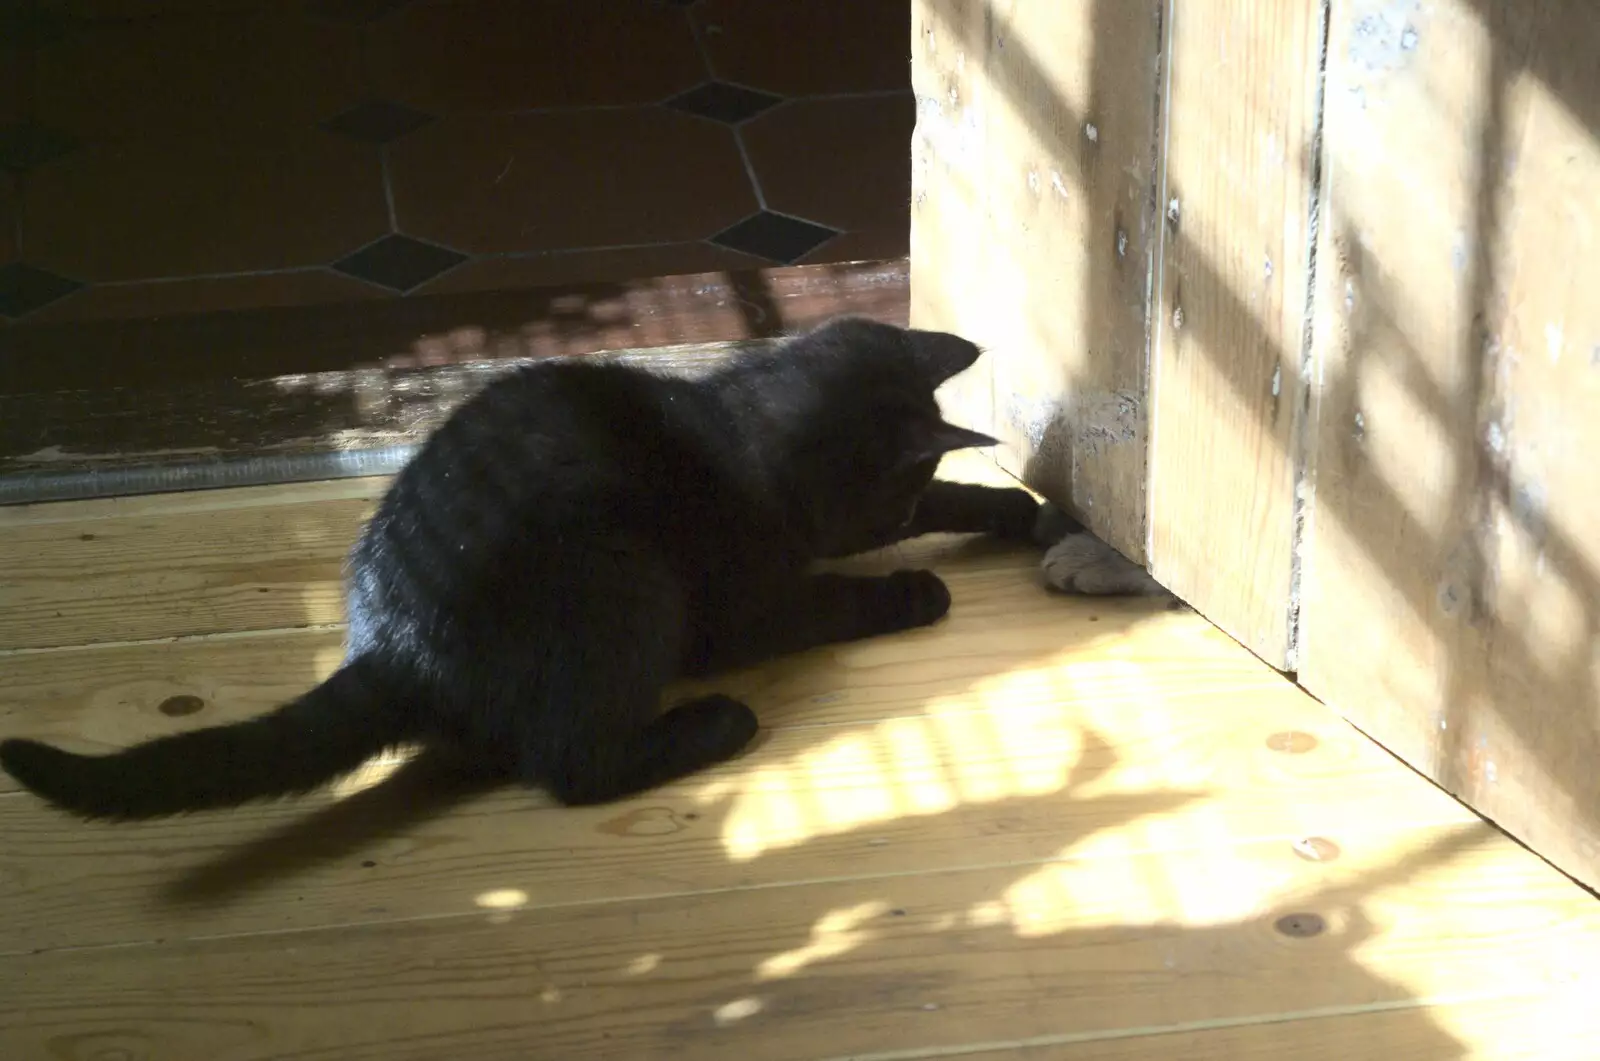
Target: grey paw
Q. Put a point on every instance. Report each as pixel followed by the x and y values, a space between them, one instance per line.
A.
pixel 1083 564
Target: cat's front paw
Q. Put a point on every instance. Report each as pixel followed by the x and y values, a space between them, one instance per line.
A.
pixel 916 598
pixel 719 726
pixel 1013 514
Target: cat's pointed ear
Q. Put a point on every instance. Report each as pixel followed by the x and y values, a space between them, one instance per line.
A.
pixel 947 438
pixel 942 355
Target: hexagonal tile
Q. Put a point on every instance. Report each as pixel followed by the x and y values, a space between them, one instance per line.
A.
pixel 139 211
pixel 502 55
pixel 229 74
pixel 503 183
pixel 866 180
pixel 809 47
pixel 27 145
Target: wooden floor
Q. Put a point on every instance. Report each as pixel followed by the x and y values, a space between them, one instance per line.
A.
pixel 1046 829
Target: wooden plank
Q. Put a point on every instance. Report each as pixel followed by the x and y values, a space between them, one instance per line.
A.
pixel 72 585
pixel 215 561
pixel 223 561
pixel 1025 764
pixel 1031 233
pixel 104 697
pixel 1228 395
pixel 1079 703
pixel 1452 601
pixel 1514 1029
pixel 902 966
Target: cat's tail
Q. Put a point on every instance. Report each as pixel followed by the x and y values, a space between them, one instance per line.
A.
pixel 300 746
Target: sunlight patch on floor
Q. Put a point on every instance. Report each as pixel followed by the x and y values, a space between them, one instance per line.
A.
pixel 1011 736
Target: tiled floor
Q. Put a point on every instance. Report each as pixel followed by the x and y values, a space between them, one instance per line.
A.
pixel 159 157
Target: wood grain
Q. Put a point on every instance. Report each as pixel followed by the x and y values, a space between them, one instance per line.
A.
pixel 1021 768
pixel 1228 395
pixel 1452 604
pixel 214 565
pixel 1509 1029
pixel 184 565
pixel 98 698
pixel 846 968
pixel 1047 824
pixel 1031 229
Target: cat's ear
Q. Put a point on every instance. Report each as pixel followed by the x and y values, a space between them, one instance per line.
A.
pixel 942 355
pixel 947 438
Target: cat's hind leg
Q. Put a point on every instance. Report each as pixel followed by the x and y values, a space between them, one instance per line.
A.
pixel 601 767
pixel 588 721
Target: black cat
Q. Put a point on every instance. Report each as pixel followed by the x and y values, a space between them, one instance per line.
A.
pixel 573 538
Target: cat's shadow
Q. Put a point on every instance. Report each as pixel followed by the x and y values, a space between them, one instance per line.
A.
pixel 424 788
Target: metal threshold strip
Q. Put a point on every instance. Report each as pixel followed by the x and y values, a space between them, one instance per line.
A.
pixel 29 488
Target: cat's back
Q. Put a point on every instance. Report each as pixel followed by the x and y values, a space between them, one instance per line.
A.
pixel 549 460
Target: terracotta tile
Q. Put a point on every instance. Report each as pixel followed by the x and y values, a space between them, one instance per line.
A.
pixel 143 211
pixel 8 218
pixel 809 47
pixel 14 75
pixel 868 245
pixel 27 145
pixel 497 184
pixel 354 10
pixel 500 55
pixel 208 295
pixel 840 162
pixel 588 267
pixel 229 75
pixel 26 24
pixel 129 9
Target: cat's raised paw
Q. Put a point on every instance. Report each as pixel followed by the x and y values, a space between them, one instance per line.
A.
pixel 919 598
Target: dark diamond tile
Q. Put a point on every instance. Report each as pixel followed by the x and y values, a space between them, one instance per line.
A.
pixel 24 289
pixel 723 102
pixel 774 237
pixel 377 121
pixel 399 262
pixel 28 145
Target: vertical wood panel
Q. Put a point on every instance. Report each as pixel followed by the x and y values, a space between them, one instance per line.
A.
pixel 1228 393
pixel 1452 584
pixel 1031 233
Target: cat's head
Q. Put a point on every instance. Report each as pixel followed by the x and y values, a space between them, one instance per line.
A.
pixel 855 431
